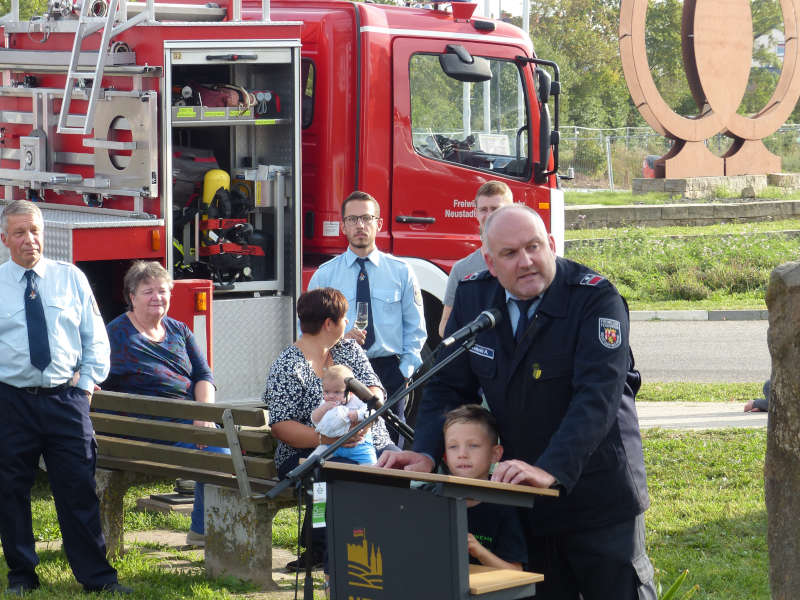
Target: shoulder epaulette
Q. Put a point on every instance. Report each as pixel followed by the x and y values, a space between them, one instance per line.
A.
pixel 591 279
pixel 477 275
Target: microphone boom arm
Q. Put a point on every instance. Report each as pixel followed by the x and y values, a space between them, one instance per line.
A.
pixel 296 475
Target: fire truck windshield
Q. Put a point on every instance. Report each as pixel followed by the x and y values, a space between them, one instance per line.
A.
pixel 479 125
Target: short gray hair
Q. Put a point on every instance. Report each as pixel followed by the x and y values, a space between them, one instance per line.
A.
pixel 143 270
pixel 19 207
pixel 503 209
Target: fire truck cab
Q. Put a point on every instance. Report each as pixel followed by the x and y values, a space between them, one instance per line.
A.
pixel 221 140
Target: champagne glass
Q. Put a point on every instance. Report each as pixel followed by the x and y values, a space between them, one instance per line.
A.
pixel 362 315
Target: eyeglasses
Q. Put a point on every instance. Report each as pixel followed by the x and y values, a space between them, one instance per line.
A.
pixel 363 219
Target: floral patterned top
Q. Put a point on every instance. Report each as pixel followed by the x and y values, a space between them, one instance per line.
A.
pixel 294 391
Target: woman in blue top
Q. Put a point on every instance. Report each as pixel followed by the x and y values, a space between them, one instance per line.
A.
pixel 156 355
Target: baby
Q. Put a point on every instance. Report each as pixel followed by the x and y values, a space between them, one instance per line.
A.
pixel 338 413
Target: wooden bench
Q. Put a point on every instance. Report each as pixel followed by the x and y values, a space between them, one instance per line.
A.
pixel 243 477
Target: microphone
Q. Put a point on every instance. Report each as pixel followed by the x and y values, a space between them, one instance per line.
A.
pixel 486 320
pixel 363 393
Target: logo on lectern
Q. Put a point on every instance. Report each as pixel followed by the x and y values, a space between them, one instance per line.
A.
pixel 364 562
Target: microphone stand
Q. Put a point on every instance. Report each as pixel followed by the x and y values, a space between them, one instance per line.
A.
pixel 303 476
pixel 393 421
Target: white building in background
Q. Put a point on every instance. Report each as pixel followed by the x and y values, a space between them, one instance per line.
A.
pixel 774 40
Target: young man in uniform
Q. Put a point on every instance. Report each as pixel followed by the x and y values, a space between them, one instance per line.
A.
pixel 489 197
pixel 395 331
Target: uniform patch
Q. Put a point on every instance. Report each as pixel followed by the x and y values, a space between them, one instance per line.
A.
pixel 591 279
pixel 417 295
pixel 610 333
pixel 482 351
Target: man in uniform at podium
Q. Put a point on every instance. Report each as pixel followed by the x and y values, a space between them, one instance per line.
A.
pixel 558 375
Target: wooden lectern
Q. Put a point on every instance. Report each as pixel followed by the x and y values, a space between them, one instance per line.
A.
pixel 388 540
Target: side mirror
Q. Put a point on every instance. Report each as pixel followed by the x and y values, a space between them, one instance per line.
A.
pixel 459 64
pixel 544 145
pixel 543 80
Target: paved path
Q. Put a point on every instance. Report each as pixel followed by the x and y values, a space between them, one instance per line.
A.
pixel 701 351
pixel 697 415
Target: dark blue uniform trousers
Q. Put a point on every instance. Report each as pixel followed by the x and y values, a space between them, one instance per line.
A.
pixel 387 368
pixel 55 424
pixel 608 563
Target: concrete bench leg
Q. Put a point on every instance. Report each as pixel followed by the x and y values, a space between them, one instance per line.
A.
pixel 239 536
pixel 111 488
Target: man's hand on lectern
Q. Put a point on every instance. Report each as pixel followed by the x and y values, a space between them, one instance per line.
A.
pixel 406 460
pixel 520 472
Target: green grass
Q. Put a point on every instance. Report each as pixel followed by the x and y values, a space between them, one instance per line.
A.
pixel 626 197
pixel 707 511
pixel 707 515
pixel 704 272
pixel 622 198
pixel 140 567
pixel 688 231
pixel 771 191
pixel 45 523
pixel 699 392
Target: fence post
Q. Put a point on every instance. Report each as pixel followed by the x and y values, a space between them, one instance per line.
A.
pixel 608 161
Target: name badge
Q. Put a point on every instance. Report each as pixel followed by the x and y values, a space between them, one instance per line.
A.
pixel 482 351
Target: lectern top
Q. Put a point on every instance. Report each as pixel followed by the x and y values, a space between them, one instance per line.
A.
pixel 397 474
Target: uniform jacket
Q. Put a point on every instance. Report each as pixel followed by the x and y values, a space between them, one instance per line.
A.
pixel 563 398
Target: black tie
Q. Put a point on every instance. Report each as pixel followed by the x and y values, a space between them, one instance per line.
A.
pixel 523 322
pixel 37 326
pixel 362 295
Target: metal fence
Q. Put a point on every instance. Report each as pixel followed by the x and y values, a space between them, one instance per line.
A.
pixel 609 159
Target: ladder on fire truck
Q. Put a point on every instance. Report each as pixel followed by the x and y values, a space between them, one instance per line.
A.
pixel 88 24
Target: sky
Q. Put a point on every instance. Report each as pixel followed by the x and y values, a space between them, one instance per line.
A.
pixel 512 6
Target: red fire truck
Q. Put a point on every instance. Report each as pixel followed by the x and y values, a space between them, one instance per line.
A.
pixel 220 140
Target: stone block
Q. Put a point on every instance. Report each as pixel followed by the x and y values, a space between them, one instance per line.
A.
pixel 643 185
pixel 726 211
pixel 675 212
pixel 675 186
pixel 646 213
pixel 703 211
pixel 239 536
pixel 111 487
pixel 784 180
pixel 782 462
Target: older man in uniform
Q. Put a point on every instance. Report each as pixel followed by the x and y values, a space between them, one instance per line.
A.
pixel 53 350
pixel 558 376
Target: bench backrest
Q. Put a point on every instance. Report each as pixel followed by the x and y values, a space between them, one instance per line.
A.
pixel 133 435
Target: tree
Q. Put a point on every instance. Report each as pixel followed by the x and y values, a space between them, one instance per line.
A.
pixel 27 8
pixel 582 37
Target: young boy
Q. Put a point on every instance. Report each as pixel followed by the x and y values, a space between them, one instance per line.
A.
pixel 338 413
pixel 471 445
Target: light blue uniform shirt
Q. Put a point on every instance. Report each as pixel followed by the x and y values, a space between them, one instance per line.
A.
pixel 75 330
pixel 395 298
pixel 513 310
